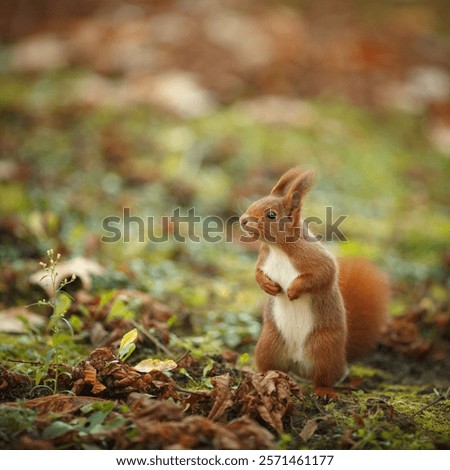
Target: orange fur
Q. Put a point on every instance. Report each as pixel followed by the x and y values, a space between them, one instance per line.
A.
pixel 329 313
pixel 365 290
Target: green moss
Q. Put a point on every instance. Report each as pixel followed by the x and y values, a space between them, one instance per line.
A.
pixel 379 419
pixel 362 371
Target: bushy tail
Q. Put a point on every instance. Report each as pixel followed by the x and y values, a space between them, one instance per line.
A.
pixel 366 292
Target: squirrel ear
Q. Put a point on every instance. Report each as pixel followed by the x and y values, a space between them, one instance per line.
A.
pixel 281 187
pixel 298 189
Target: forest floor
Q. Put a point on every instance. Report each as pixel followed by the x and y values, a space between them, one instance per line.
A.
pixel 164 107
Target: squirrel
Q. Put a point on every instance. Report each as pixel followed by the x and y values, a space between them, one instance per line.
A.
pixel 321 312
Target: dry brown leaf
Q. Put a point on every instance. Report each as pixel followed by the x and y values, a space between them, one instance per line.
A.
pixel 404 335
pixel 90 376
pixel 271 417
pixel 61 404
pixel 251 434
pixel 198 432
pixel 358 420
pixel 308 430
pixel 118 378
pixel 30 443
pixel 347 439
pixel 221 396
pixel 267 396
pixel 11 381
pixel 144 406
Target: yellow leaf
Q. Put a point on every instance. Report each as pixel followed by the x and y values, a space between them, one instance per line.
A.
pixel 148 365
pixel 128 338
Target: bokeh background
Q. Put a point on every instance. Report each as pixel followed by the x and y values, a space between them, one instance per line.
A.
pixel 154 105
pixel 203 104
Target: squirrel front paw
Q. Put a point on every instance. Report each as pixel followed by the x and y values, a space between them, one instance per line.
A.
pixel 295 290
pixel 271 287
pixel 267 285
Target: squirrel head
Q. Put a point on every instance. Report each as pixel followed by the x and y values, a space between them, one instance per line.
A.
pixel 276 218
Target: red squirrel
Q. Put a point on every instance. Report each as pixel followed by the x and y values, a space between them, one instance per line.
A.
pixel 321 313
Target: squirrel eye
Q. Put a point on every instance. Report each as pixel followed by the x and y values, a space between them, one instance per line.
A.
pixel 271 215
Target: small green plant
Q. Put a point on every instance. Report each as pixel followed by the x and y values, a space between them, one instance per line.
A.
pixel 127 345
pixel 59 303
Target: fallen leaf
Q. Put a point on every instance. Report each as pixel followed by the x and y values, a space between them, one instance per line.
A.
pixel 267 396
pixel 404 334
pixel 144 406
pixel 221 396
pixel 198 432
pixel 308 430
pixel 60 404
pixel 27 442
pixel 11 381
pixel 356 382
pixel 149 365
pixel 90 376
pixel 347 438
pixel 121 379
pixel 251 434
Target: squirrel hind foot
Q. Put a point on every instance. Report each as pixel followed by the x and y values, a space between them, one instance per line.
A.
pixel 326 393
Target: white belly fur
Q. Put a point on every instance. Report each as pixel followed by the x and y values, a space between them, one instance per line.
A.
pixel 294 319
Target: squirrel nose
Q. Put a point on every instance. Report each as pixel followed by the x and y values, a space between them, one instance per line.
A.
pixel 244 220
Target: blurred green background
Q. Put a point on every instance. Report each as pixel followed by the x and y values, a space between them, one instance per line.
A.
pixel 159 105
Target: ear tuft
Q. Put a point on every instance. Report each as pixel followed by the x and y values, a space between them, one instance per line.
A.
pixel 304 182
pixel 298 189
pixel 281 188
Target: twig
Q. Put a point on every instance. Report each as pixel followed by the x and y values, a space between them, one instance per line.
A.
pixel 183 355
pixel 444 396
pixel 153 339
